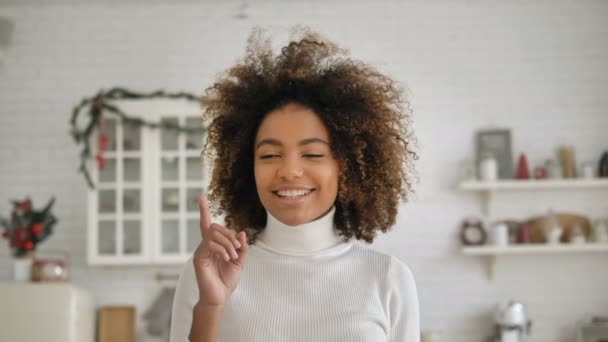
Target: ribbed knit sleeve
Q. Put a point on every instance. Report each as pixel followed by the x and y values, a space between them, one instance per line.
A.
pixel 186 296
pixel 403 307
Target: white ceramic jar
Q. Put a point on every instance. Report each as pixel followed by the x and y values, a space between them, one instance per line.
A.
pixel 500 235
pixel 488 169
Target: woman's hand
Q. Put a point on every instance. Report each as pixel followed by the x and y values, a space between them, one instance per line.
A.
pixel 218 260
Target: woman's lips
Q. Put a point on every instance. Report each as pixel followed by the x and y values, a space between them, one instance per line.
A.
pixel 293 196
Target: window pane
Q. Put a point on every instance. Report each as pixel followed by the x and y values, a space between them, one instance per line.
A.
pixel 106 238
pixel 107 201
pixel 132 169
pixel 170 236
pixel 194 169
pixel 194 141
pixel 110 131
pixel 170 200
pixel 169 136
pixel 194 235
pixel 131 201
pixel 170 168
pixel 192 199
pixel 108 174
pixel 132 237
pixel 131 137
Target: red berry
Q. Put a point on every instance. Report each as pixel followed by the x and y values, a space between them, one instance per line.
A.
pixel 22 233
pixel 37 228
pixel 5 234
pixel 28 245
pixel 100 162
pixel 103 143
pixel 25 205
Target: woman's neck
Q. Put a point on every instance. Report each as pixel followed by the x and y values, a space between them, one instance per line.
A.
pixel 304 239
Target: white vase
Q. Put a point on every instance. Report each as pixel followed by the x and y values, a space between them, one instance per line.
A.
pixel 500 235
pixel 488 169
pixel 22 268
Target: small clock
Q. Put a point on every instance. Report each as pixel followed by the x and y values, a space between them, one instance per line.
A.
pixel 472 233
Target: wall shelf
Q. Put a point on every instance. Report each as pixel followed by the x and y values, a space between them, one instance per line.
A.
pixel 536 249
pixel 492 252
pixel 535 184
pixel 488 189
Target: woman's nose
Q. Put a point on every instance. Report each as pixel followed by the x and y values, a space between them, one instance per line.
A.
pixel 290 168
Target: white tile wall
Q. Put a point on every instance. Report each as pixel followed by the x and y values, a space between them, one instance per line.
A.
pixel 538 67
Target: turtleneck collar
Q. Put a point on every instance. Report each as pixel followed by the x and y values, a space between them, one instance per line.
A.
pixel 305 239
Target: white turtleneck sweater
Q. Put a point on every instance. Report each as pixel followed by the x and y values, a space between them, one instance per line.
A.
pixel 305 284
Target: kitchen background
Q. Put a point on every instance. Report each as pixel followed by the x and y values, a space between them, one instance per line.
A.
pixel 538 68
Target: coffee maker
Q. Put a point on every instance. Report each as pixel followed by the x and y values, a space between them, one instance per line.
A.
pixel 512 324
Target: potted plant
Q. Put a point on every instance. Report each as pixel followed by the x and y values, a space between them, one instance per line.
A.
pixel 25 229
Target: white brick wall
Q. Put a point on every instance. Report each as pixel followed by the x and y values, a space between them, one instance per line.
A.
pixel 539 67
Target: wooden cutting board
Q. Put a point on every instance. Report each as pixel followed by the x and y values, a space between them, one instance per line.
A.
pixel 116 324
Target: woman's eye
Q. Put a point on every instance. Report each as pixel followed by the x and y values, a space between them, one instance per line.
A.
pixel 269 156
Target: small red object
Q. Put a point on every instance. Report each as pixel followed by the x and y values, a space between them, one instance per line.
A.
pixel 522 167
pixel 25 206
pixel 37 228
pixel 21 236
pixel 5 234
pixel 540 172
pixel 524 233
pixel 101 163
pixel 28 245
pixel 103 143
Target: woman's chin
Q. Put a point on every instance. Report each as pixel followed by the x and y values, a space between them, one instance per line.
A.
pixel 293 217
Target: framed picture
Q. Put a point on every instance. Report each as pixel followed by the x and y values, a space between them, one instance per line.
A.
pixel 497 143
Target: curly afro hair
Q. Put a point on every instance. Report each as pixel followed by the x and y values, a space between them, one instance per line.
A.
pixel 364 111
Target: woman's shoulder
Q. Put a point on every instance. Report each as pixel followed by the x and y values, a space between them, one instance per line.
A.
pixel 384 262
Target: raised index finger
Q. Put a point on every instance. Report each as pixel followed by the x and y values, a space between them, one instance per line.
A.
pixel 205 218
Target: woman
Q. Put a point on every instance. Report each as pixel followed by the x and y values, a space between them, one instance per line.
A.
pixel 311 151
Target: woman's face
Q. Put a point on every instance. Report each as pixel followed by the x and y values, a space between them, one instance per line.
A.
pixel 296 174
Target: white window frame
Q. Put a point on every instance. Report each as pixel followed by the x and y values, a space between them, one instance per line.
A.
pixel 150 234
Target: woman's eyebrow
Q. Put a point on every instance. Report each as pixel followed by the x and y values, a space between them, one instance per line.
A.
pixel 275 142
pixel 312 140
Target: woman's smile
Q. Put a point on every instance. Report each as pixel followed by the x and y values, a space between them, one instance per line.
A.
pixel 293 196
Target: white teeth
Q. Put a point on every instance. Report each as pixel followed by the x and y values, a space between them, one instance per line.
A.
pixel 293 193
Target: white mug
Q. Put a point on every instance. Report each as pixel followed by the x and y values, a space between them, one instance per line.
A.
pixel 488 169
pixel 500 234
pixel 588 170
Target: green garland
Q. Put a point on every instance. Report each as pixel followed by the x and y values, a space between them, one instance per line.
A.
pixel 100 103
